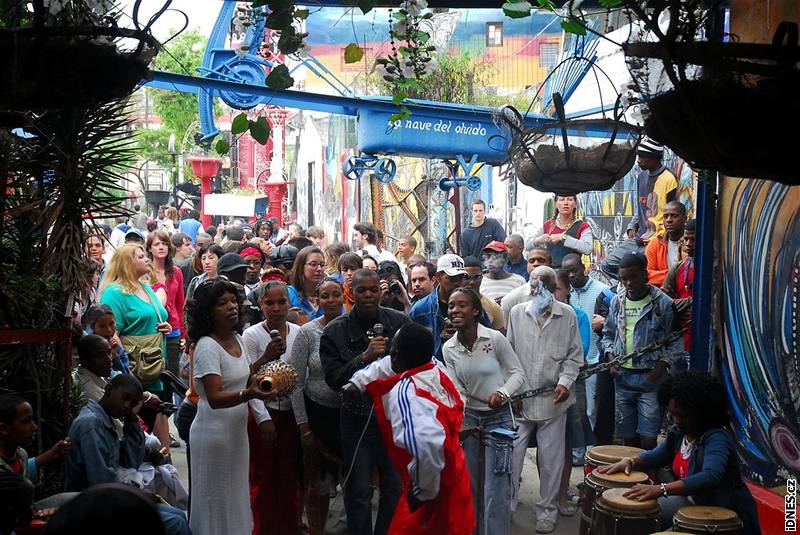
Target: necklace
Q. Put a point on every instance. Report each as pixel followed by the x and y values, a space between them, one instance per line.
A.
pixel 565 226
pixel 686 447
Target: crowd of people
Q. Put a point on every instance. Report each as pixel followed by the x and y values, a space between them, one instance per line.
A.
pixel 426 379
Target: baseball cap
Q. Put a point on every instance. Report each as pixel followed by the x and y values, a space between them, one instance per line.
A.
pixel 496 246
pixel 134 232
pixel 229 262
pixel 451 264
pixel 282 254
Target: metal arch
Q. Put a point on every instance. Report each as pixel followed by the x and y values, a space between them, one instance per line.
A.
pixel 221 63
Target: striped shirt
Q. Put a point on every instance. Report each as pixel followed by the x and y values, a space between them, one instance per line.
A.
pixel 497 288
pixel 585 299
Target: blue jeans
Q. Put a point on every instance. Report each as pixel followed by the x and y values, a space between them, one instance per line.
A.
pixel 497 469
pixel 637 408
pixel 174 520
pixel 366 457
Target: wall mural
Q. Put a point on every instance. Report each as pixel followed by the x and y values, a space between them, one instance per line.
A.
pixel 759 333
pixel 609 212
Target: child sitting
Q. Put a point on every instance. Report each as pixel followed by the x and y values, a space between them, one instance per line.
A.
pixel 99 319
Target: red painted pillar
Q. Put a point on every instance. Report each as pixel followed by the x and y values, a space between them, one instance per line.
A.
pixel 205 168
pixel 276 192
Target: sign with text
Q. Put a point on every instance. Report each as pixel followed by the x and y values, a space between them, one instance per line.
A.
pixel 438 133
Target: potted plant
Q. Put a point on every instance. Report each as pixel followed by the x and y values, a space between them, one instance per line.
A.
pixel 717 104
pixel 64 53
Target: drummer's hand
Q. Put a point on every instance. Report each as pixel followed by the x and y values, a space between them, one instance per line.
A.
pixel 622 466
pixel 644 492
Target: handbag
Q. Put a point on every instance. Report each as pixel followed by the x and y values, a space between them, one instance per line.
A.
pixel 145 352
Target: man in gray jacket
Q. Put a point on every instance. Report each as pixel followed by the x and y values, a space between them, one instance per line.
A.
pixel 639 315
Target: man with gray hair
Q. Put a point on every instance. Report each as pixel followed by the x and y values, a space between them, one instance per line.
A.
pixel 544 334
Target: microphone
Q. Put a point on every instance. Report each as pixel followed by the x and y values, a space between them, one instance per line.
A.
pixel 378 329
pixel 274 334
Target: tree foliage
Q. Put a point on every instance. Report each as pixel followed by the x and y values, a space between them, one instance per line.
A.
pixel 460 79
pixel 177 110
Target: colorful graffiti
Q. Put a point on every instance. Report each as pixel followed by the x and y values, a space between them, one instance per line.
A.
pixel 609 212
pixel 759 333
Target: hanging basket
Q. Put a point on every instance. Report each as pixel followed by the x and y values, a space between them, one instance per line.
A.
pixel 569 156
pixel 720 105
pixel 49 68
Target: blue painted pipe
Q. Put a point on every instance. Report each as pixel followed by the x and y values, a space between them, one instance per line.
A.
pixel 704 269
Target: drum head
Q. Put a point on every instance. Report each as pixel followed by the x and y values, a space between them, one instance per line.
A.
pixel 610 453
pixel 619 480
pixel 702 515
pixel 614 500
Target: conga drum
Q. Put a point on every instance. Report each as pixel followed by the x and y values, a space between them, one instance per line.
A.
pixel 706 519
pixel 605 455
pixel 595 484
pixel 616 515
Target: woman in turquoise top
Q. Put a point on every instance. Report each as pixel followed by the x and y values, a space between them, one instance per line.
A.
pixel 308 271
pixel 137 312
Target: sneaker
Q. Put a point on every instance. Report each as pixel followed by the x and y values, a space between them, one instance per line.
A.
pixel 545 526
pixel 567 509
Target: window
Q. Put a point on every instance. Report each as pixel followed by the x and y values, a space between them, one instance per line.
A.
pixel 548 55
pixel 494 34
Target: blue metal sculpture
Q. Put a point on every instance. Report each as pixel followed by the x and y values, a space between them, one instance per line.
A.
pixel 221 63
pixel 473 183
pixel 383 169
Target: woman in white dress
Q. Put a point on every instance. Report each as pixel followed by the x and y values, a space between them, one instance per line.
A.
pixel 220 498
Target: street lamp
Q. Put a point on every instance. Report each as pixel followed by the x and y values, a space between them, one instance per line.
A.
pixel 174 153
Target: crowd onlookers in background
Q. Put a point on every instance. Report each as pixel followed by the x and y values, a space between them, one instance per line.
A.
pixel 369 333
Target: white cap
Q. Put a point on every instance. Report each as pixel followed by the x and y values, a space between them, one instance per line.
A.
pixel 451 264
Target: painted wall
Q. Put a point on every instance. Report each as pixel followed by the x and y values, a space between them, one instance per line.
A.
pixel 758 327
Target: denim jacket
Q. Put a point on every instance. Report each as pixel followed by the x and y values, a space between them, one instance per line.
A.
pixel 426 312
pixel 714 475
pixel 654 323
pixel 97 451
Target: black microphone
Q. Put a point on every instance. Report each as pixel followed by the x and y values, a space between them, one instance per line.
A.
pixel 274 334
pixel 377 330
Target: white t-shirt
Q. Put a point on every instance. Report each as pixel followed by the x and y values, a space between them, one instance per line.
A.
pixel 673 250
pixel 256 339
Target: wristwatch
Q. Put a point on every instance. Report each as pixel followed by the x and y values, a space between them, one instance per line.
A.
pixel 664 489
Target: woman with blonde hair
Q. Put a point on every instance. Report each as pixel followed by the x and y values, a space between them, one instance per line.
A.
pixel 565 233
pixel 141 323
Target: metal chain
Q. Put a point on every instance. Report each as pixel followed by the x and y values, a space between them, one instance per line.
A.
pixel 597 368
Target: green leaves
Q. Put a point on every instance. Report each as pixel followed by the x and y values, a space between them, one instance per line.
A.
pixel 573 25
pixel 279 20
pixel 278 78
pixel 301 14
pixel 222 147
pixel 366 5
pixel 610 3
pixel 517 10
pixel 260 130
pixel 353 53
pixel 549 5
pixel 289 41
pixel 404 113
pixel 240 124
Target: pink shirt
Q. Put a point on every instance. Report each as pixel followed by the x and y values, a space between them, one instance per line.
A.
pixel 175 299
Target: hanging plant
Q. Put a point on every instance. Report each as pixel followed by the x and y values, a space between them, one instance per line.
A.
pixel 63 53
pixel 570 156
pixel 411 58
pixel 716 104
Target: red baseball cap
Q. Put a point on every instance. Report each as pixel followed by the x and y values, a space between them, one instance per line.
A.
pixel 496 246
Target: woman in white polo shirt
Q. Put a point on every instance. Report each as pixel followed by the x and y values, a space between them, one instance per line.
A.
pixel 486 372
